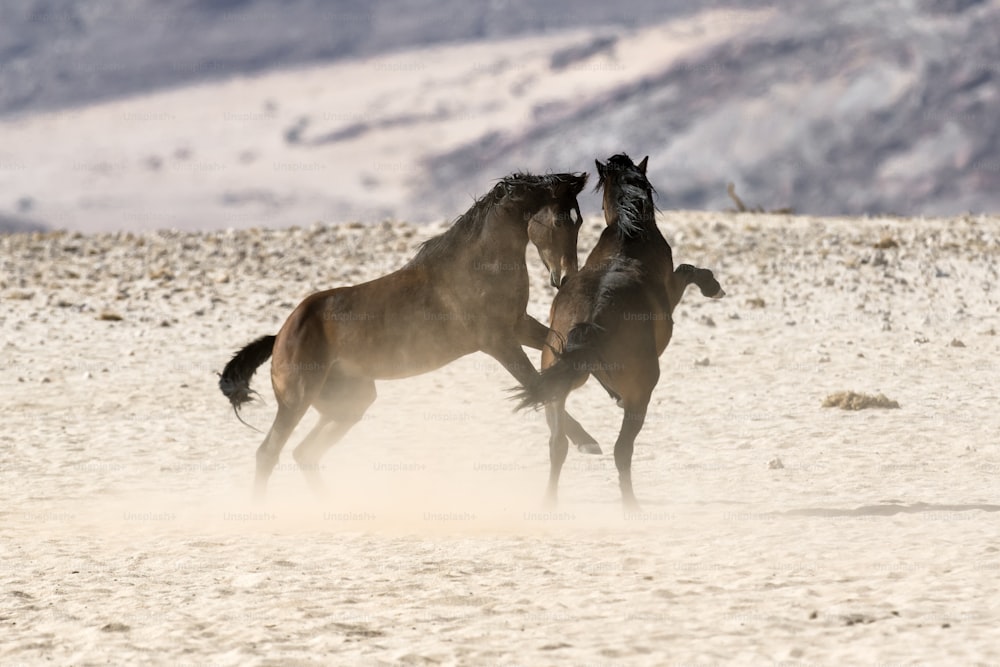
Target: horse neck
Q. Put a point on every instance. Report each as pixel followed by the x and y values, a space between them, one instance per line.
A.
pixel 651 250
pixel 608 245
pixel 504 233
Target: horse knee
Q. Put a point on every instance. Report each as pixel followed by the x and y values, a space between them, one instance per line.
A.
pixel 267 458
pixel 302 456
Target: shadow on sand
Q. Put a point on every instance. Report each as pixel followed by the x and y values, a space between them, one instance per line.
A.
pixel 889 509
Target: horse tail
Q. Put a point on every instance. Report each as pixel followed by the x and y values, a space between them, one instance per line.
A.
pixel 579 357
pixel 234 381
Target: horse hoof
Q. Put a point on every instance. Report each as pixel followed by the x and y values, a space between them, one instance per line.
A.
pixel 631 510
pixel 589 448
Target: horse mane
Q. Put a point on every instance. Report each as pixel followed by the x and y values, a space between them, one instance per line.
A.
pixel 509 190
pixel 634 196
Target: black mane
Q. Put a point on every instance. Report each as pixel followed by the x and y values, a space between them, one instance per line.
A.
pixel 634 196
pixel 508 190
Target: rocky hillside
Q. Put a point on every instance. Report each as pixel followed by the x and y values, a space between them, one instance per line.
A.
pixel 244 113
pixel 59 53
pixel 833 108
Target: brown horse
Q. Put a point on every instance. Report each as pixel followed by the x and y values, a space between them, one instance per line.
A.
pixel 613 319
pixel 465 291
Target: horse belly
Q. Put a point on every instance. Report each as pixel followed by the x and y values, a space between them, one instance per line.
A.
pixel 399 352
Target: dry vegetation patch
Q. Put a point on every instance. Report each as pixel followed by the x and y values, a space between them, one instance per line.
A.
pixel 850 400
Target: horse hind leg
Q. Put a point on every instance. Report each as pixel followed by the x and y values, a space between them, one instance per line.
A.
pixel 341 405
pixel 285 422
pixel 632 421
pixel 555 415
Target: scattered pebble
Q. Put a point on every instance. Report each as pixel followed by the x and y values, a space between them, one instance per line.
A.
pixel 702 362
pixel 956 343
pixel 109 316
pixel 855 619
pixel 775 464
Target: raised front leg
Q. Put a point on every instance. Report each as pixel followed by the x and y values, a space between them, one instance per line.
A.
pixel 533 333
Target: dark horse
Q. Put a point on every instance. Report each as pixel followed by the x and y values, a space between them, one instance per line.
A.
pixel 465 291
pixel 613 319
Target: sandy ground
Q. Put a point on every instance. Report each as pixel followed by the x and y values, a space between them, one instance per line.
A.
pixel 127 536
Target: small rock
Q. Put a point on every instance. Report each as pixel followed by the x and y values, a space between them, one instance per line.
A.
pixel 775 464
pixel 115 627
pixel 956 343
pixel 109 316
pixel 702 362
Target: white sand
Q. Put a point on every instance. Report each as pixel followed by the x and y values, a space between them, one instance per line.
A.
pixel 127 534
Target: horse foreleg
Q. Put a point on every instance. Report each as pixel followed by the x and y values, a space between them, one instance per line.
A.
pixel 518 365
pixel 584 441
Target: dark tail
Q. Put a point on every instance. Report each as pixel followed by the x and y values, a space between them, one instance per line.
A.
pixel 235 378
pixel 580 356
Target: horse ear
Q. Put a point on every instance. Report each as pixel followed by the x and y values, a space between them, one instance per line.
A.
pixel 602 170
pixel 642 165
pixel 580 180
